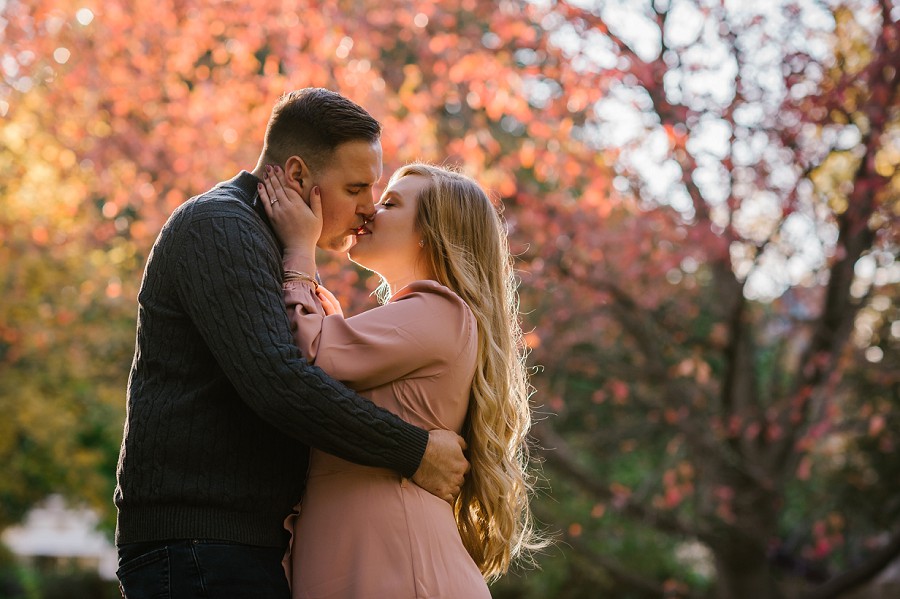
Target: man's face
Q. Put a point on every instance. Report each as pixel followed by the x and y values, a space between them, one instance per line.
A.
pixel 346 185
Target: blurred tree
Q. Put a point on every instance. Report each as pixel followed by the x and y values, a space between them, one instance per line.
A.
pixel 704 197
pixel 704 324
pixel 63 335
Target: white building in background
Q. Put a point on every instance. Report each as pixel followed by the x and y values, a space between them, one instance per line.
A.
pixel 54 534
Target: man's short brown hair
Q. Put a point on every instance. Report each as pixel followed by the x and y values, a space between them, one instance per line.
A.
pixel 312 122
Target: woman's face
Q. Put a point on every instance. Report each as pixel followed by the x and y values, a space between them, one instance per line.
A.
pixel 390 243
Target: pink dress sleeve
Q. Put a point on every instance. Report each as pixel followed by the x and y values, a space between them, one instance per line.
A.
pixel 422 329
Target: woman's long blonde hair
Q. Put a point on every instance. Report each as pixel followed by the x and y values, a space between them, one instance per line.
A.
pixel 467 250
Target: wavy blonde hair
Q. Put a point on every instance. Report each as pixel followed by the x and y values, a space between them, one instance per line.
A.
pixel 467 250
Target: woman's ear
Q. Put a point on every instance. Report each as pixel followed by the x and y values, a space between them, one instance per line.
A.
pixel 298 177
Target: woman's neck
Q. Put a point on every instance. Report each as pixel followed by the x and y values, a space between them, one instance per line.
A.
pixel 400 280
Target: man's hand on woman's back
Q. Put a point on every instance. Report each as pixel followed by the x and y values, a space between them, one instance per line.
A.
pixel 443 468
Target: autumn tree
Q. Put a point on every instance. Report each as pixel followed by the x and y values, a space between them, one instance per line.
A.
pixel 65 330
pixel 704 324
pixel 703 199
pixel 114 114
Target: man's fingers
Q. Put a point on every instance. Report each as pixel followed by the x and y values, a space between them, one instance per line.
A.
pixel 452 494
pixel 463 445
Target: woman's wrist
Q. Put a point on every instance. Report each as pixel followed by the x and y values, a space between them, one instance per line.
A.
pixel 300 260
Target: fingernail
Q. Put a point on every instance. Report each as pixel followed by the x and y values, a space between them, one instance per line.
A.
pixel 316 189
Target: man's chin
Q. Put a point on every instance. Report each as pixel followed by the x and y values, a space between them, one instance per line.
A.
pixel 341 244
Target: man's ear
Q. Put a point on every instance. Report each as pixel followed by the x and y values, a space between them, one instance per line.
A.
pixel 298 177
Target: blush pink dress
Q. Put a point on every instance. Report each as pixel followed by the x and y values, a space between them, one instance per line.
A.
pixel 367 532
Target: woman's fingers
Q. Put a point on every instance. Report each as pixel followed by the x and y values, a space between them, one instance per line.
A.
pixel 272 190
pixel 277 180
pixel 315 201
pixel 326 305
pixel 269 182
pixel 328 298
pixel 296 223
pixel 265 199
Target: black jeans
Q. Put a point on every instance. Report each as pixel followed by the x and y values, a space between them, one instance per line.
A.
pixel 191 568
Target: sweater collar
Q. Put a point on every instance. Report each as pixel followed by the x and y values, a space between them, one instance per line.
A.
pixel 245 183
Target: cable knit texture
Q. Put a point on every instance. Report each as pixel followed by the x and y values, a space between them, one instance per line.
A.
pixel 221 405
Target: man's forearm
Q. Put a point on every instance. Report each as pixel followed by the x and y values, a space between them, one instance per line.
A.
pixel 231 288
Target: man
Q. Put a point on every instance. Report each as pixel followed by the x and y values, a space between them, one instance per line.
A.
pixel 221 406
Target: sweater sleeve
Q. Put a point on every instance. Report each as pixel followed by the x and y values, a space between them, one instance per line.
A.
pixel 231 289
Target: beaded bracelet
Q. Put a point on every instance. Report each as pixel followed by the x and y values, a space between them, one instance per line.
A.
pixel 295 275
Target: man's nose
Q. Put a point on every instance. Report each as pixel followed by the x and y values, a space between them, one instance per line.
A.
pixel 367 210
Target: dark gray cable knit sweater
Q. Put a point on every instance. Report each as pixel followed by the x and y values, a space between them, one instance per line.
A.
pixel 221 406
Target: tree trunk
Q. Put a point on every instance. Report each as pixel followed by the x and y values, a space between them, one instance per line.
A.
pixel 743 572
pixel 741 546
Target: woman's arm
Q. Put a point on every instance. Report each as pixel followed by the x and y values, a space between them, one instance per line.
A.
pixel 417 334
pixel 227 278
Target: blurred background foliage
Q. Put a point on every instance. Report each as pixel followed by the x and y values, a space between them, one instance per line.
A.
pixel 703 197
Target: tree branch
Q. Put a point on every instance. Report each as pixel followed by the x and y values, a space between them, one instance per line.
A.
pixel 832 329
pixel 600 567
pixel 861 574
pixel 635 321
pixel 559 454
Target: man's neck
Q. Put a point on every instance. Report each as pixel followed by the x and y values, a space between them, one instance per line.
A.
pixel 260 170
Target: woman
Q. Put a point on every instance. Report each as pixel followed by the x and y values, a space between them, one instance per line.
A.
pixel 444 351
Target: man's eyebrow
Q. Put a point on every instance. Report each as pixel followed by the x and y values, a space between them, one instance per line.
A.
pixel 359 184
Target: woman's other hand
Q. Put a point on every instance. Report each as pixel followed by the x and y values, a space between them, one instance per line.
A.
pixel 329 302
